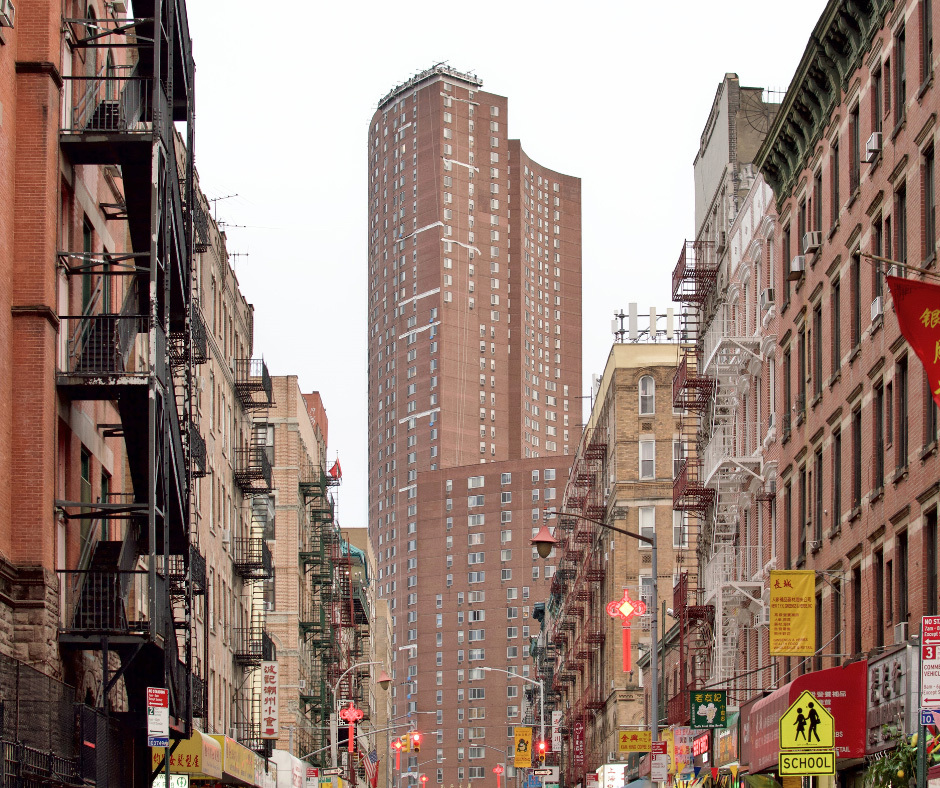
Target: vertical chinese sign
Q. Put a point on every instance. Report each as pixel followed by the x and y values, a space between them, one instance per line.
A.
pixel 269 705
pixel 578 742
pixel 792 612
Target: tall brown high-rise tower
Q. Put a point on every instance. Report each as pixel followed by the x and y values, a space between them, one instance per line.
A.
pixel 474 409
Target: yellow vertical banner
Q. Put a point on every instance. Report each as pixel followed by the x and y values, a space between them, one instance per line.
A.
pixel 792 612
pixel 522 747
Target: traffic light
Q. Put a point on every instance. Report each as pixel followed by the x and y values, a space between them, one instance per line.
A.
pixel 416 741
pixel 541 749
pixel 406 743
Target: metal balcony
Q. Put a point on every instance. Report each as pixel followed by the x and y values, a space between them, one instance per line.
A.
pixel 253 558
pixel 252 645
pixel 253 470
pixel 98 603
pixel 678 709
pixel 253 384
pixel 695 273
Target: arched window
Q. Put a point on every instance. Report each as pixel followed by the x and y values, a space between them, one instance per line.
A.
pixel 647 395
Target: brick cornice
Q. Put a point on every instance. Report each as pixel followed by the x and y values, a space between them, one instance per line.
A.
pixel 39 67
pixel 36 310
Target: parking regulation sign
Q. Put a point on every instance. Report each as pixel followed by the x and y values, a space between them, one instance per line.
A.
pixel 158 717
pixel 930 662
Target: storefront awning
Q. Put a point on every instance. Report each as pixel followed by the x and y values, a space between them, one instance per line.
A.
pixel 199 756
pixel 291 771
pixel 238 762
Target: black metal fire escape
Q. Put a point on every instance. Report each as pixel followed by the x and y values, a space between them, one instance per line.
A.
pixel 133 590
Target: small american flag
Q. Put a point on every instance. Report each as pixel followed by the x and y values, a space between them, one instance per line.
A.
pixel 371 764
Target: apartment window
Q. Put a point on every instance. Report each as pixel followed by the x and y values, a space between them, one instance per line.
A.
pixel 930 562
pixel 680 531
pixel 505 478
pixel 505 497
pixel 834 174
pixel 855 149
pixel 677 458
pixel 785 253
pixel 900 78
pixel 817 350
pixel 902 408
pixel 878 571
pixel 836 479
pixel 877 243
pixel 930 205
pixel 803 493
pixel 856 283
pixel 647 525
pixel 836 326
pixel 788 525
pixel 856 458
pixel 818 494
pixel 647 395
pixel 857 609
pixel 930 415
pixel 817 200
pixel 878 461
pixel 647 459
pixel 901 557
pixel 877 99
pixel 801 348
pixel 900 226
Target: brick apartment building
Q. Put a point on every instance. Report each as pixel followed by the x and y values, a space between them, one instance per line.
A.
pixel 474 383
pixel 623 475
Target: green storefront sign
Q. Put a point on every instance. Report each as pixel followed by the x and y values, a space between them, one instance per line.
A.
pixel 709 708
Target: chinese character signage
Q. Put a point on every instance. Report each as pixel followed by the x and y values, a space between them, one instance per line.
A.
pixel 578 742
pixel 709 708
pixel 681 748
pixel 634 741
pixel 556 731
pixel 792 612
pixel 522 747
pixel 269 706
pixel 917 306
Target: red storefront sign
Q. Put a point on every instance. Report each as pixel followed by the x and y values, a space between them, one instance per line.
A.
pixel 841 690
pixel 578 742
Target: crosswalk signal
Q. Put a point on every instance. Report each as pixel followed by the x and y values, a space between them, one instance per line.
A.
pixel 416 742
pixel 540 751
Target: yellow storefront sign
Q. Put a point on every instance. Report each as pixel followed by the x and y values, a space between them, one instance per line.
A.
pixel 238 762
pixel 199 756
pixel 792 612
pixel 522 747
pixel 634 741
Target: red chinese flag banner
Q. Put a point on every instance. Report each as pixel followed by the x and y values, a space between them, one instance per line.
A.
pixel 917 306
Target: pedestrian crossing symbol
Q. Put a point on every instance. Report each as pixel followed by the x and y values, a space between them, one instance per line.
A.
pixel 807 725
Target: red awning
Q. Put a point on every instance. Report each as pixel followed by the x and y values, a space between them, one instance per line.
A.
pixel 841 690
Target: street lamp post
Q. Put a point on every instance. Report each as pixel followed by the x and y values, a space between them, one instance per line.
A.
pixel 384 679
pixel 543 541
pixel 541 686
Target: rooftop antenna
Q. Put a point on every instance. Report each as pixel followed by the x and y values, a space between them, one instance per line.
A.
pixel 215 207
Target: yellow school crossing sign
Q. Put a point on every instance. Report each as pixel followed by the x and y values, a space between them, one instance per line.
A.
pixel 807 725
pixel 807 738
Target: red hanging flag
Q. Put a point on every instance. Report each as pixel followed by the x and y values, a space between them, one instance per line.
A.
pixel 917 306
pixel 336 472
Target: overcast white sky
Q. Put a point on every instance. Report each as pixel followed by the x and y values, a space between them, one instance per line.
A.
pixel 616 93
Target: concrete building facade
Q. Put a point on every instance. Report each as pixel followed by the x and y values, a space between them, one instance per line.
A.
pixel 474 357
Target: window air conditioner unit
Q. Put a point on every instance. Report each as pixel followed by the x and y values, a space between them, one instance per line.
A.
pixel 877 308
pixel 797 268
pixel 900 633
pixel 7 13
pixel 815 545
pixel 763 617
pixel 302 684
pixel 812 241
pixel 226 535
pixel 767 298
pixel 873 148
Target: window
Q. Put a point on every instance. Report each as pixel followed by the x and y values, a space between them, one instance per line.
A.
pixel 856 284
pixel 902 394
pixel 676 458
pixel 647 459
pixel 785 253
pixel 878 425
pixel 900 78
pixel 505 497
pixel 930 561
pixel 930 202
pixel 900 226
pixel 877 100
pixel 505 478
pixel 836 326
pixel 856 458
pixel 818 495
pixel 474 500
pixel 836 479
pixel 817 200
pixel 817 351
pixel 930 415
pixel 647 395
pixel 647 525
pixel 901 556
pixel 834 174
pixel 855 149
pixel 474 482
pixel 680 531
pixel 878 563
